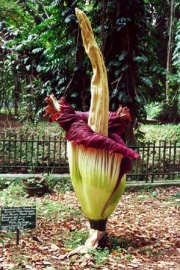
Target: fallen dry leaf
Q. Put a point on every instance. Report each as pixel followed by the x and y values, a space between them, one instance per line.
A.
pixel 143 234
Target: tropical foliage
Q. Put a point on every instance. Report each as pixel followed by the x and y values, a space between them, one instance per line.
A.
pixel 41 52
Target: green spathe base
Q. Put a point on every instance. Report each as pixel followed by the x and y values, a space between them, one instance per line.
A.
pixel 99 225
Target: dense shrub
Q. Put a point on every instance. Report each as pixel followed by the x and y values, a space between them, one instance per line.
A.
pixel 163 112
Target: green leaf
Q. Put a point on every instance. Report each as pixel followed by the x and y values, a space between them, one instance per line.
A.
pixel 37 50
pixel 74 94
pixel 28 67
pixel 19 47
pixel 141 59
pixel 69 18
pixel 147 81
pixel 39 68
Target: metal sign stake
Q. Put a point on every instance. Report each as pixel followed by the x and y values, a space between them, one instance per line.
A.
pixel 17 237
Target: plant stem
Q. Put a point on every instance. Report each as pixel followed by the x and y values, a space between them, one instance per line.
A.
pixel 99 225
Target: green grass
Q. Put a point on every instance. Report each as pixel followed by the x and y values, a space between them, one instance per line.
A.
pixel 177 195
pixel 14 195
pixel 63 185
pixel 75 239
pixel 161 132
pixel 141 197
pixel 100 256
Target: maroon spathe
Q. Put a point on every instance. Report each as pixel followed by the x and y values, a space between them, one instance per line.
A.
pixel 79 133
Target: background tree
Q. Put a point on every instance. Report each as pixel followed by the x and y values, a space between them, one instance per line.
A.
pixel 11 17
pixel 123 25
pixel 42 53
pixel 169 47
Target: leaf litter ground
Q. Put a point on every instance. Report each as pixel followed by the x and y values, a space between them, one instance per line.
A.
pixel 143 233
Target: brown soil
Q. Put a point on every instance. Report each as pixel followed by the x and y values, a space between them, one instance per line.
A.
pixel 8 121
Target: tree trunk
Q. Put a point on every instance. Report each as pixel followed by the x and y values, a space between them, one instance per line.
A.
pixel 17 90
pixel 103 17
pixel 169 48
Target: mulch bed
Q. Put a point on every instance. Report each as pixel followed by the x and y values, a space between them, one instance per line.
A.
pixel 144 234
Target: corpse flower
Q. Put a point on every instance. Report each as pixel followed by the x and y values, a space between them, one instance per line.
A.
pixel 98 157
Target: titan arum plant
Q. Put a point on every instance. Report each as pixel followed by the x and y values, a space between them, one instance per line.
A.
pixel 98 157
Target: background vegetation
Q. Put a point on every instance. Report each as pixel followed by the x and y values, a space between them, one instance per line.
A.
pixel 41 52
